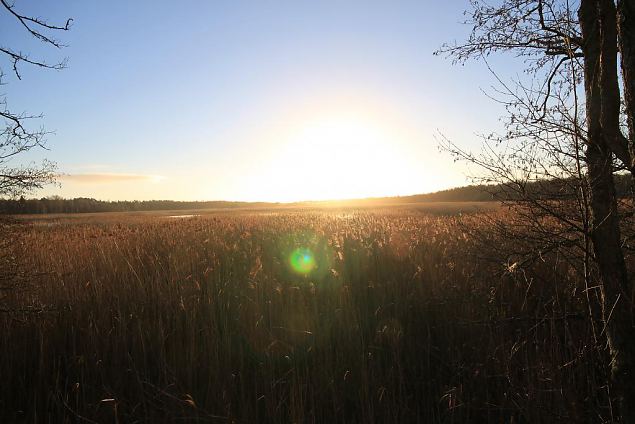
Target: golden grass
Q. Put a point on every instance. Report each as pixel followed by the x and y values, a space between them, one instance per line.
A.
pixel 142 318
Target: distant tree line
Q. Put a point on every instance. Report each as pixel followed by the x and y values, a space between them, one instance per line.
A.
pixel 57 204
pixel 556 189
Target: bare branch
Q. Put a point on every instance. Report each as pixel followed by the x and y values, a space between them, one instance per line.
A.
pixel 26 22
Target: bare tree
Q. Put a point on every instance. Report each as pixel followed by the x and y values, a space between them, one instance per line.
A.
pixel 17 136
pixel 565 140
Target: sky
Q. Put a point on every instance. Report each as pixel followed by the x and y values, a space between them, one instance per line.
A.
pixel 250 100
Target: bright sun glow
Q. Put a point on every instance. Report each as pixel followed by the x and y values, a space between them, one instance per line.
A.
pixel 336 158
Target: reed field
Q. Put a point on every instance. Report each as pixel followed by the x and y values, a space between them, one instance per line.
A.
pixel 302 316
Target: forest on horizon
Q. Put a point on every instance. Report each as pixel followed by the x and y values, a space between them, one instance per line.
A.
pixel 471 193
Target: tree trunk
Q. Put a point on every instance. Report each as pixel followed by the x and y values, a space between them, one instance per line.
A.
pixel 598 23
pixel 600 79
pixel 626 31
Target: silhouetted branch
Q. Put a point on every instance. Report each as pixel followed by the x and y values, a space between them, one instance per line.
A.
pixel 16 137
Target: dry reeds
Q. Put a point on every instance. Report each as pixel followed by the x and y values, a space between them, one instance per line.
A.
pixel 149 319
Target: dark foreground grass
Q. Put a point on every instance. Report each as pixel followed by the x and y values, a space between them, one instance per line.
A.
pixel 151 319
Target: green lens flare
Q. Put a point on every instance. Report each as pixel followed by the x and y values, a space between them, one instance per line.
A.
pixel 302 261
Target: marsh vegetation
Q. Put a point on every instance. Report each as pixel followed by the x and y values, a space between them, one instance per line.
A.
pixel 402 316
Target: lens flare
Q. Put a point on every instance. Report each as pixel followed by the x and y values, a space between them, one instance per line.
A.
pixel 302 261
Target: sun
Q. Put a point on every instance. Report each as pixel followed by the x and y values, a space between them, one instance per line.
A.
pixel 333 158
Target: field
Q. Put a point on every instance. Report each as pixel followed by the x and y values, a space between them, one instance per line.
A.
pixel 398 314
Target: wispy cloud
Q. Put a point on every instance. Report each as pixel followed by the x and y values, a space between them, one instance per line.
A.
pixel 107 178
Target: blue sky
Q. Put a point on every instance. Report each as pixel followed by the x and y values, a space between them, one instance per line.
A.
pixel 235 99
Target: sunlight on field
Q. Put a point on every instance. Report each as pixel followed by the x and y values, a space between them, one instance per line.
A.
pixel 147 309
